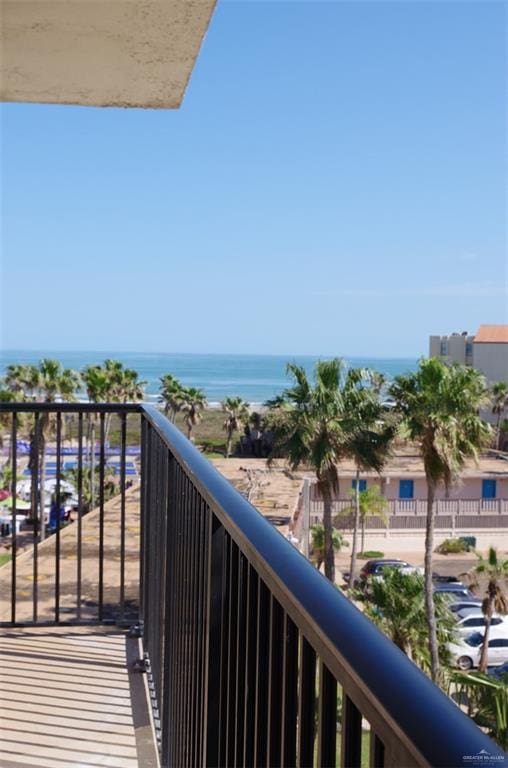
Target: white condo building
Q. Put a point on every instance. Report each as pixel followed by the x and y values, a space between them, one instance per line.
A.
pixel 487 351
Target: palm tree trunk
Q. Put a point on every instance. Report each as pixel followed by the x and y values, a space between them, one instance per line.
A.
pixel 498 431
pixel 354 545
pixel 429 587
pixel 362 550
pixel 107 427
pixel 327 525
pixel 228 444
pixel 484 657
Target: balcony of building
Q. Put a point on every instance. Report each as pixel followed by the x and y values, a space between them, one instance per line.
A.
pixel 173 623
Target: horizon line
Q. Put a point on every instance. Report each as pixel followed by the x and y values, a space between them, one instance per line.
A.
pixel 210 354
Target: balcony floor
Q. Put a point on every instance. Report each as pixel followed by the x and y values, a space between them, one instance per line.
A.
pixel 69 699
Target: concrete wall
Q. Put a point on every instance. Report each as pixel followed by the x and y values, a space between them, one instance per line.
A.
pixel 491 360
pixel 456 344
pixel 468 488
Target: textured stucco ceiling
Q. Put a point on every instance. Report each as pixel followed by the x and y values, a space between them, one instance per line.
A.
pixel 126 53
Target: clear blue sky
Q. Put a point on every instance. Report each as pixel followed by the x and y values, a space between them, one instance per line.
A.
pixel 334 183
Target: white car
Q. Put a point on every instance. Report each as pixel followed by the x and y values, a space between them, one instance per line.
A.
pixel 475 622
pixel 466 653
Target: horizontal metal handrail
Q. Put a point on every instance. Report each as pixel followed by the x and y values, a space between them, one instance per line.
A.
pixel 389 690
pixel 32 406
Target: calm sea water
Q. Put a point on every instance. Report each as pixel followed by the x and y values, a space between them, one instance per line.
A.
pixel 253 377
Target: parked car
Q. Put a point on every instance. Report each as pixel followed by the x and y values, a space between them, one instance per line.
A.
pixel 376 567
pixel 500 673
pixel 476 622
pixel 465 606
pixel 373 569
pixel 466 653
pixel 456 590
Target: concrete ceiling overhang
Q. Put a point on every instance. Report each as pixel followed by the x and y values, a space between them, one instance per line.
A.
pixel 108 53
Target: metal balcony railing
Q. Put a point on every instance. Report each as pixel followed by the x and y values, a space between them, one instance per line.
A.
pixel 253 657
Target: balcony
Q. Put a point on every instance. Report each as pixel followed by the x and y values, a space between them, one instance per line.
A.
pixel 173 619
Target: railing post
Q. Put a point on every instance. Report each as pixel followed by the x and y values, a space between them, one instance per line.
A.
pixel 213 666
pixel 351 753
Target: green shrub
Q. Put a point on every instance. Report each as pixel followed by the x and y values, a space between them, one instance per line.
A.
pixel 370 554
pixel 452 546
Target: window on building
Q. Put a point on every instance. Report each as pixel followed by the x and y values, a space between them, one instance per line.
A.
pixel 406 489
pixel 362 486
pixel 469 348
pixel 489 489
pixel 444 348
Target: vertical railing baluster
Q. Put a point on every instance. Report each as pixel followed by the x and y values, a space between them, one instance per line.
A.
pixel 180 619
pixel 262 648
pixel 189 533
pixel 102 468
pixel 327 731
pixel 56 507
pixel 224 662
pixel 14 470
pixel 307 705
pixel 79 553
pixel 290 693
pixel 123 445
pixel 197 557
pixel 203 645
pixel 144 515
pixel 166 704
pixel 240 651
pixel 232 655
pixel 35 515
pixel 213 643
pixel 377 751
pixel 250 668
pixel 351 748
pixel 275 699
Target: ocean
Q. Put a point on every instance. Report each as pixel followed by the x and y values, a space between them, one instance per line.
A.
pixel 255 378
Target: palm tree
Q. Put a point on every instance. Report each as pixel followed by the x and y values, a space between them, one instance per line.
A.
pixel 130 389
pixel 237 414
pixel 372 504
pixel 97 383
pixel 54 381
pixel 495 570
pixel 193 402
pixel 317 551
pixel 487 700
pixel 6 396
pixel 112 383
pixel 396 603
pixel 171 395
pixel 499 394
pixel 372 429
pixel 440 405
pixel 45 382
pixel 22 380
pixel 318 425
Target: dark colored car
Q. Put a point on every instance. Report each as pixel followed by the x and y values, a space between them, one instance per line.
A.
pixel 500 673
pixel 376 567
